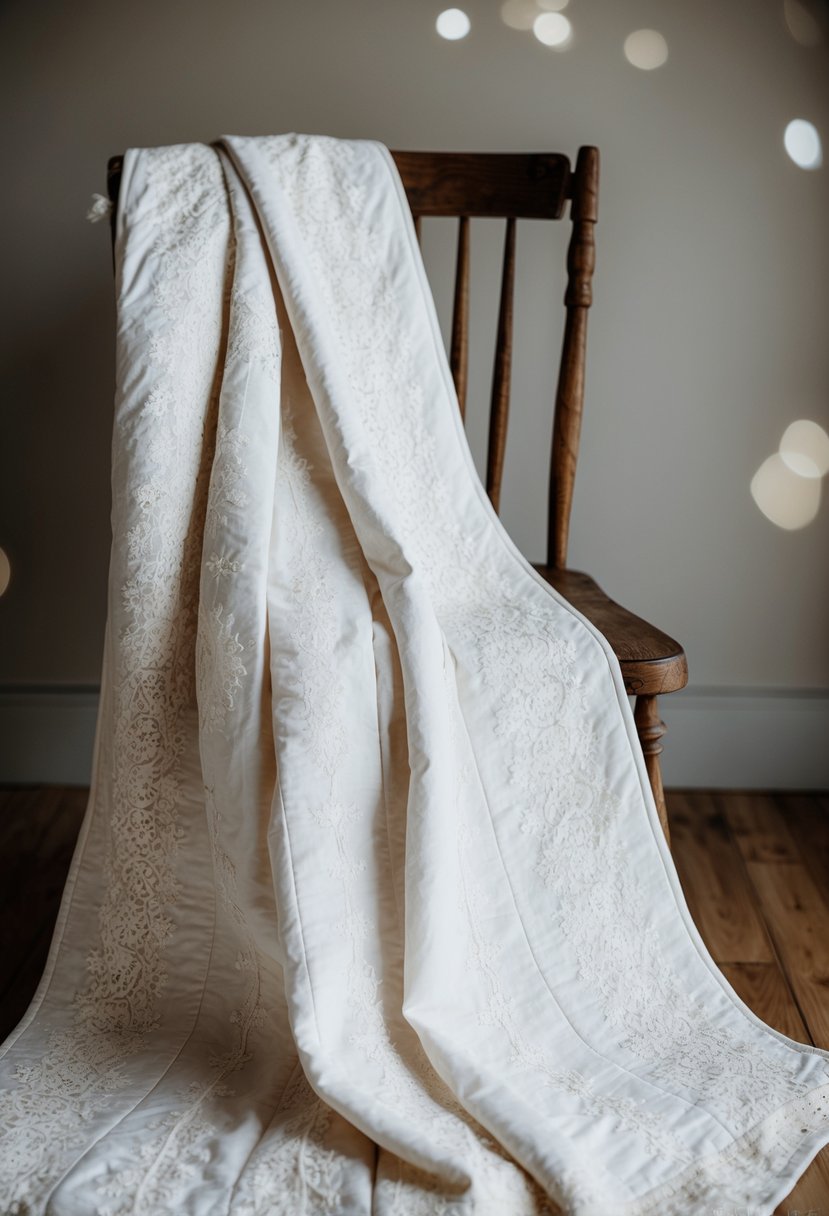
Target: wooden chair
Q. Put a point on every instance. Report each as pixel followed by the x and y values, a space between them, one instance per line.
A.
pixel 517 186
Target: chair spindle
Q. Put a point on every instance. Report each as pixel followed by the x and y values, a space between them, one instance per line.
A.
pixel 459 357
pixel 499 412
pixel 581 258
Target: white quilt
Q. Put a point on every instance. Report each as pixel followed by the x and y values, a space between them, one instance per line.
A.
pixel 371 912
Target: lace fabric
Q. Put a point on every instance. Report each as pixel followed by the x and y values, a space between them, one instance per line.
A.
pixel 371 913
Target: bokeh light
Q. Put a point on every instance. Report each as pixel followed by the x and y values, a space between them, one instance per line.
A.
pixel 805 448
pixel 802 142
pixel 646 49
pixel 519 14
pixel 553 29
pixel 784 497
pixel 453 24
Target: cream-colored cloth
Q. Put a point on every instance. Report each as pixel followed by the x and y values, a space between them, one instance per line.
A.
pixel 371 912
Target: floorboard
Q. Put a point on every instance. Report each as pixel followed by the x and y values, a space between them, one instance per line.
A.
pixel 760 829
pixel 798 921
pixel 35 854
pixel 809 815
pixel 765 990
pixel 714 881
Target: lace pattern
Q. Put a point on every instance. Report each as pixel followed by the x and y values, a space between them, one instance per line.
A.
pixel 567 809
pixel 46 1113
pixel 386 1048
pixel 326 663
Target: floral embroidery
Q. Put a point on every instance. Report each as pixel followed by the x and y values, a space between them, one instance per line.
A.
pixel 188 644
pixel 407 1083
pixel 221 566
pixel 221 670
pixel 254 336
pixel 47 1111
pixel 295 1170
pixel 516 643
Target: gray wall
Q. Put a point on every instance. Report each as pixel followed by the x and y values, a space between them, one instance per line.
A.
pixel 708 334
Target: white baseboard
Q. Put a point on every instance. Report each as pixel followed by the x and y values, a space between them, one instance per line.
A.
pixel 46 735
pixel 746 738
pixel 718 738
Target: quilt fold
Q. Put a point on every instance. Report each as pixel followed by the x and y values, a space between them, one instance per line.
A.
pixel 371 913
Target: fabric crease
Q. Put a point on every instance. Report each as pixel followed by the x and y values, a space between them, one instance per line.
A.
pixel 371 914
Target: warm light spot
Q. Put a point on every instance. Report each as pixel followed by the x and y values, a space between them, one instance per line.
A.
pixel 453 24
pixel 553 29
pixel 805 448
pixel 519 14
pixel 646 49
pixel 802 22
pixel 785 498
pixel 802 143
pixel 5 571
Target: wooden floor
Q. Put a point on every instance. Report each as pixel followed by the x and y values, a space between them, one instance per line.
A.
pixel 754 867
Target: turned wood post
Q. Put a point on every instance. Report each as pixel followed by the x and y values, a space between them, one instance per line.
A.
pixel 502 367
pixel 651 728
pixel 459 352
pixel 581 260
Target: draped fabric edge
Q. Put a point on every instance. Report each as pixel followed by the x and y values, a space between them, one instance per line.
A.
pixel 244 156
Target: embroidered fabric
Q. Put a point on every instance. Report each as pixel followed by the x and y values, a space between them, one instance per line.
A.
pixel 371 912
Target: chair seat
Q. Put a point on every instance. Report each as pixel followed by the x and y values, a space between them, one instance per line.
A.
pixel 651 662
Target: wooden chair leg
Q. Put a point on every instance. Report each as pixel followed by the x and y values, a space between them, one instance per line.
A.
pixel 651 728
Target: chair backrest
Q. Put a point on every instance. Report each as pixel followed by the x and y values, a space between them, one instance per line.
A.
pixel 511 186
